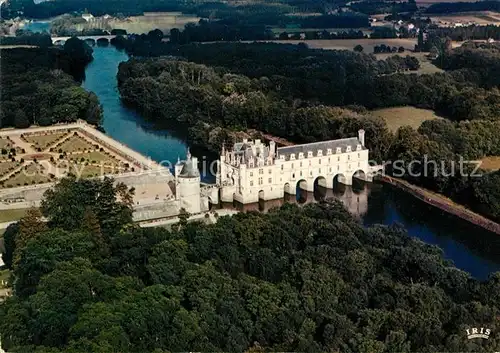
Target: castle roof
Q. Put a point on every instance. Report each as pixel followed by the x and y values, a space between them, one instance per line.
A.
pixel 314 147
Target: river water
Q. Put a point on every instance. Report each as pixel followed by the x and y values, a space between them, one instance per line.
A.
pixel 469 247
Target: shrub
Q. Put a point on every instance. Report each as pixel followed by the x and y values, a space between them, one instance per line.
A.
pixel 60 150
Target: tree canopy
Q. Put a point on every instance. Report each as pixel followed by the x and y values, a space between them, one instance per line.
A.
pixel 295 279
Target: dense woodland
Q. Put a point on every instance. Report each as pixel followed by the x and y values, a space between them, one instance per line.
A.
pixel 296 279
pixel 37 86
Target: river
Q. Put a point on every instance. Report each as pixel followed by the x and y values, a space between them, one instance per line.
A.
pixel 472 249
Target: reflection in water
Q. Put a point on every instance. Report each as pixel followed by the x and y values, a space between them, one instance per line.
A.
pixel 356 201
pixel 471 248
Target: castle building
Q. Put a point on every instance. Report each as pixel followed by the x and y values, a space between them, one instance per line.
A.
pixel 254 171
pixel 187 185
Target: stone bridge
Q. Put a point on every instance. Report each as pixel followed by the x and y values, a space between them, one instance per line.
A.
pixel 62 40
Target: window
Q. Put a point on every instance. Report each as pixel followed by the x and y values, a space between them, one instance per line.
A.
pixel 320 161
pixel 301 155
pixel 292 156
pixel 293 176
pixel 338 167
pixel 329 151
pixel 309 154
pixel 348 157
pixel 270 180
pixel 320 153
pixel 309 163
pixel 359 155
pixel 282 167
pixel 270 171
pixel 260 181
pixel 348 149
pixel 251 174
pixel 338 159
pixel 251 182
pixel 338 150
pixel 311 173
pixel 301 173
pixel 328 160
pixel 319 171
pixel 358 164
pixel 301 164
pixel 261 171
pixel 292 165
pixel 330 170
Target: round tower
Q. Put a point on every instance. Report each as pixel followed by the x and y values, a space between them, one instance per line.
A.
pixel 187 177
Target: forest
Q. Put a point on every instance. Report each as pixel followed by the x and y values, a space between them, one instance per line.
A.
pixel 41 86
pixel 297 93
pixel 308 279
pixel 453 7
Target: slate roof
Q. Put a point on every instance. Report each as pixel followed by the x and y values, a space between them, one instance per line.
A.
pixel 188 170
pixel 316 146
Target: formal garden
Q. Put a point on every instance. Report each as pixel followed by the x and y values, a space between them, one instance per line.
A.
pixel 44 156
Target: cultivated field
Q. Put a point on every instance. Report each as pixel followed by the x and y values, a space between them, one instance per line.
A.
pixel 426 66
pixel 164 21
pixel 349 44
pixel 482 18
pixel 490 163
pixel 404 116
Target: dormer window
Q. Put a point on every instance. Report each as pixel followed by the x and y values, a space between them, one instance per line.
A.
pixel 320 153
pixel 358 147
pixel 309 154
pixel 329 151
pixel 282 157
pixel 348 149
pixel 339 150
pixel 301 155
pixel 292 156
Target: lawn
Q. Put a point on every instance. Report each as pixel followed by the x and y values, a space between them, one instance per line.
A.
pixel 404 116
pixel 29 175
pixel 88 171
pixel 5 142
pixel 44 141
pixel 94 157
pixel 12 214
pixel 75 144
pixel 426 66
pixel 490 163
pixel 6 167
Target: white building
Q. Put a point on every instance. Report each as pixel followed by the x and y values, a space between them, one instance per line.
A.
pixel 253 171
pixel 87 16
pixel 187 185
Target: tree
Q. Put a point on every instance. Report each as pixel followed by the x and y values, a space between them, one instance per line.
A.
pixel 358 48
pixel 9 243
pixel 30 226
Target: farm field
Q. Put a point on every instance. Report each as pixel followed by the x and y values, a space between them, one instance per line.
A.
pixel 490 163
pixel 164 21
pixel 426 66
pixel 349 44
pixel 482 18
pixel 404 116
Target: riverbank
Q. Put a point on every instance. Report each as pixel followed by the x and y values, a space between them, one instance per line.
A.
pixel 443 203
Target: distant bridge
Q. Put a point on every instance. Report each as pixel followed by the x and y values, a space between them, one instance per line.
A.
pixel 62 40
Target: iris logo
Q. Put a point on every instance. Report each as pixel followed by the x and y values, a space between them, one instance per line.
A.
pixel 478 333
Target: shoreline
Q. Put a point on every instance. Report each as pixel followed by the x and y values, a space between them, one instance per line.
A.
pixel 444 204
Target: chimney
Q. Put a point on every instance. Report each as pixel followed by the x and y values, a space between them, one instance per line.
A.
pixel 194 160
pixel 272 148
pixel 361 136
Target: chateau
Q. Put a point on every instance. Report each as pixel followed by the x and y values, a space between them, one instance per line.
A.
pixel 253 171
